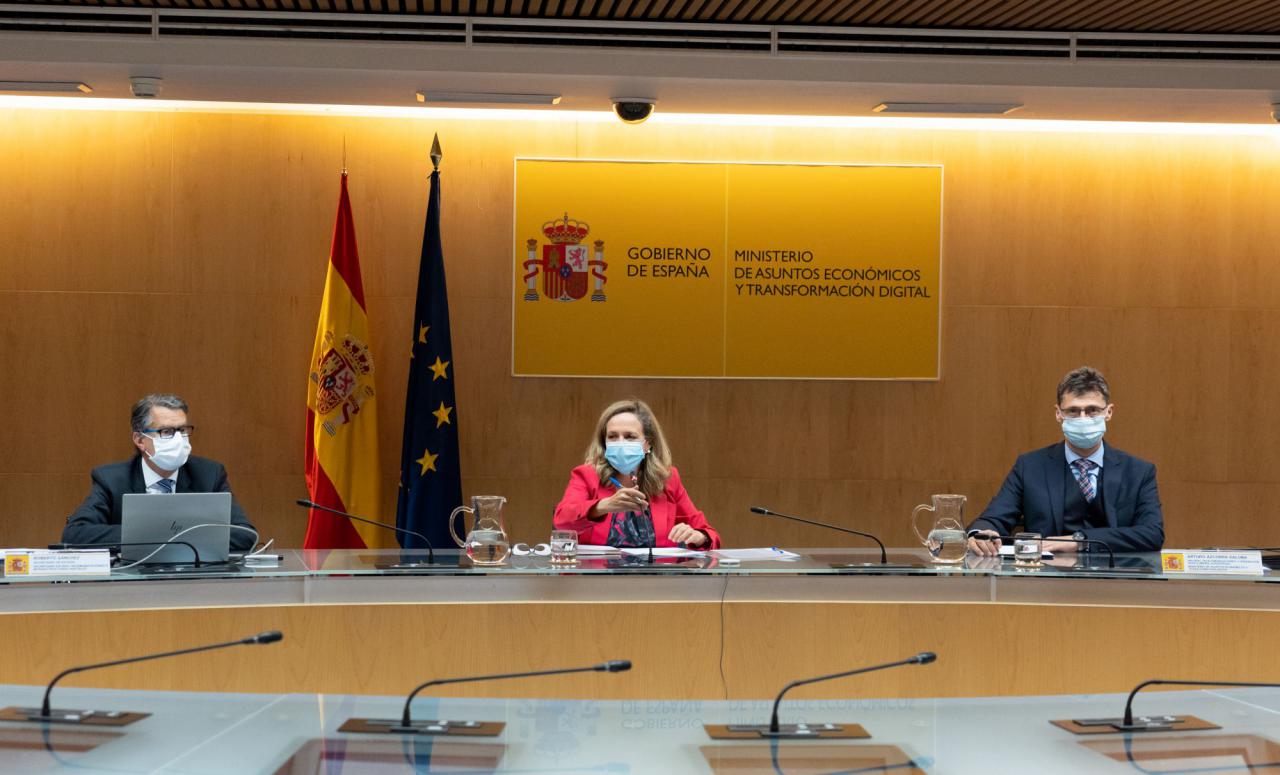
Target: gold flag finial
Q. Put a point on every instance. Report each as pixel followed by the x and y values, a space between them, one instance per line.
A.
pixel 436 153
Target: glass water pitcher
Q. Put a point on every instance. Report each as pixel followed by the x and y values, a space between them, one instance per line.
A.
pixel 486 542
pixel 945 540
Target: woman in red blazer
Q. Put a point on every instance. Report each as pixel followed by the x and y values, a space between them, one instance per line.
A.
pixel 628 493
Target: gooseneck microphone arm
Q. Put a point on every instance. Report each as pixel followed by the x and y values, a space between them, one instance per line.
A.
pixel 108 544
pixel 884 557
pixel 1111 556
pixel 1128 706
pixel 653 526
pixel 431 552
pixel 612 666
pixel 261 638
pixel 923 658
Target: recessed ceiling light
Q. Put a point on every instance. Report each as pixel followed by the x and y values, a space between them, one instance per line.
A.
pixel 485 98
pixel 46 87
pixel 951 108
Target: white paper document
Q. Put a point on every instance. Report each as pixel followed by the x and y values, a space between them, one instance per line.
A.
pixel 663 551
pixel 596 550
pixel 768 553
pixel 1007 551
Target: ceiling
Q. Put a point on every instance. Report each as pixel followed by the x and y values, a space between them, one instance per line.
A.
pixel 1251 17
pixel 1127 60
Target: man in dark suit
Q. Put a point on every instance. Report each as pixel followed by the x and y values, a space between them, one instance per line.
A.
pixel 1079 489
pixel 162 465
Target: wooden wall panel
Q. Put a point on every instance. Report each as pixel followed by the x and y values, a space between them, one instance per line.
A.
pixel 984 649
pixel 186 251
pixel 89 209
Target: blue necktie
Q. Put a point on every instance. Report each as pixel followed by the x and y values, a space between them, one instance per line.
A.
pixel 164 486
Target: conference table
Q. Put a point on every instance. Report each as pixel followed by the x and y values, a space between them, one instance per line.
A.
pixel 696 629
pixel 298 734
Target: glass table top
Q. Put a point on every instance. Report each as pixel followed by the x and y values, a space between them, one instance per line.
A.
pixel 298 733
pixel 811 561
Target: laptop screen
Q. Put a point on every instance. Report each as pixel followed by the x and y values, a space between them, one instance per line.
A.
pixel 155 519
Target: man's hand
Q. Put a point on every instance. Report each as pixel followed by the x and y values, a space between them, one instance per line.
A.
pixel 989 546
pixel 1056 546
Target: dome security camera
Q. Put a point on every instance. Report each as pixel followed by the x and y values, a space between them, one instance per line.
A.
pixel 634 110
pixel 145 86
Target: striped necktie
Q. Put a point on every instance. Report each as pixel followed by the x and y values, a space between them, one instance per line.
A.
pixel 164 486
pixel 1081 468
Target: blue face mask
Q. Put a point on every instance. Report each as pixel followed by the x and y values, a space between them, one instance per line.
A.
pixel 624 456
pixel 1084 432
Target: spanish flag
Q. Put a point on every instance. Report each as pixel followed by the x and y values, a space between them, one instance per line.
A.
pixel 342 417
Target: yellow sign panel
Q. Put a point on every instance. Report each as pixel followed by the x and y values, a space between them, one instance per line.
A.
pixel 683 269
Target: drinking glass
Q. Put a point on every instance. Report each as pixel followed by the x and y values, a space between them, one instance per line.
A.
pixel 1027 548
pixel 564 547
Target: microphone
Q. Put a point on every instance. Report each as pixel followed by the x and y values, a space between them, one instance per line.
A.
pixel 110 544
pixel 431 552
pixel 774 729
pixel 406 725
pixel 1111 556
pixel 120 718
pixel 1087 542
pixel 653 526
pixel 884 557
pixel 1151 725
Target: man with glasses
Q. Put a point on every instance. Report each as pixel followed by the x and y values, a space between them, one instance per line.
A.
pixel 1079 489
pixel 162 464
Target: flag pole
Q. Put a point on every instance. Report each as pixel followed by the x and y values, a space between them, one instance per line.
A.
pixel 436 153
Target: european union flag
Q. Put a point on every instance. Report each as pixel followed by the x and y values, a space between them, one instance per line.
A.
pixel 430 477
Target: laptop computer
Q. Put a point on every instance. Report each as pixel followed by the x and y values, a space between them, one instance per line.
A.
pixel 146 518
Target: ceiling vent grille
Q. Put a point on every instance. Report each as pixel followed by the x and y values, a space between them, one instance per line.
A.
pixel 640 35
pixel 634 35
pixel 916 43
pixel 1233 48
pixel 35 18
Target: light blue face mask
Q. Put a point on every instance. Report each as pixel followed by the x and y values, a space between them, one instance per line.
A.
pixel 624 456
pixel 1084 432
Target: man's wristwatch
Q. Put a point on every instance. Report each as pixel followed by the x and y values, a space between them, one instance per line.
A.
pixel 1079 536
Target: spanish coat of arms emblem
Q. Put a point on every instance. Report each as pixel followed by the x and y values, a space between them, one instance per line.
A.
pixel 568 265
pixel 342 380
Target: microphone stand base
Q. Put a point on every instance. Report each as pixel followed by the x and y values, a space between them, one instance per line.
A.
pixel 88 718
pixel 786 732
pixel 439 728
pixel 874 566
pixel 411 566
pixel 204 567
pixel 1109 726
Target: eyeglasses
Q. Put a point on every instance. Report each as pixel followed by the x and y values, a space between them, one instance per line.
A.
pixel 523 550
pixel 1087 411
pixel 168 433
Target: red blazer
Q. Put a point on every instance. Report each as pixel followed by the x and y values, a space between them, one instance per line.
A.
pixel 672 506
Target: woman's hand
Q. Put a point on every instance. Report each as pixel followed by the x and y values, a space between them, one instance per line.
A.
pixel 625 499
pixel 683 534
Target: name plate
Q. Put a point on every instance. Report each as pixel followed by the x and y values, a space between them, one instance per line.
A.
pixel 19 563
pixel 1244 562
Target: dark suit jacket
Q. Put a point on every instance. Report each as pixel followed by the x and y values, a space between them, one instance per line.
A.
pixel 1034 493
pixel 97 520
